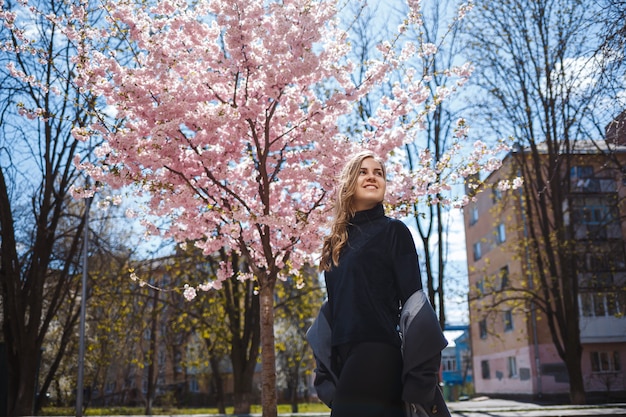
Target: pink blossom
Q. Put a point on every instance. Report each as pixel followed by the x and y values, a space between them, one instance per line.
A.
pixel 429 49
pixel 464 9
pixel 80 193
pixel 189 292
pixel 462 128
pixel 231 127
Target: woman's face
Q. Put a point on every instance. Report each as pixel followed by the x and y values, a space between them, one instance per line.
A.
pixel 370 185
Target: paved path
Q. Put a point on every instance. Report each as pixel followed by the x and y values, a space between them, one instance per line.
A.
pixel 491 407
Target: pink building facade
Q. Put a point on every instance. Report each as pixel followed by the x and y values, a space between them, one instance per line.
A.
pixel 512 346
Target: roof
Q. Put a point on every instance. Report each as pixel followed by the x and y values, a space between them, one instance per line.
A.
pixel 581 147
pixel 452 336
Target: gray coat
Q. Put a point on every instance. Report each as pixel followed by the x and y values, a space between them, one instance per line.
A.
pixel 421 355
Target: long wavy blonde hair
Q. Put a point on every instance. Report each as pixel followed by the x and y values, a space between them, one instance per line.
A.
pixel 344 209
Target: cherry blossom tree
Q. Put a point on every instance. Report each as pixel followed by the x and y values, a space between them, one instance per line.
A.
pixel 229 115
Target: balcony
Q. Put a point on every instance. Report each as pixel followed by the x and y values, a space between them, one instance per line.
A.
pixel 608 329
pixel 603 313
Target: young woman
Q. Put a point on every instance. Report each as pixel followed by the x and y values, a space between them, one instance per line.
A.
pixel 365 367
pixel 371 269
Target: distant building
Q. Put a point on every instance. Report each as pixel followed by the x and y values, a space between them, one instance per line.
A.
pixel 513 351
pixel 456 363
pixel 186 361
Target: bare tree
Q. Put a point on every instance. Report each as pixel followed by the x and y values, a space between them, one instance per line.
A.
pixel 535 82
pixel 439 27
pixel 610 53
pixel 40 107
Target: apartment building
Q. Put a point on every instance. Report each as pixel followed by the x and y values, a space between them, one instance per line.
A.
pixel 512 345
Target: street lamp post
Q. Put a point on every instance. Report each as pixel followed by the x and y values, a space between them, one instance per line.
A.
pixel 83 298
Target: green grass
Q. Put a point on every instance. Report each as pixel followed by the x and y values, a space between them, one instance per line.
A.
pixel 126 411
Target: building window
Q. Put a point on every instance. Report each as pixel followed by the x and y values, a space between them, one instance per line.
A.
pixel 448 363
pixel 484 367
pixel 595 218
pixel 501 233
pixel 616 303
pixel 466 362
pixel 581 172
pixel 602 304
pixel 512 366
pixel 504 277
pixel 178 357
pixel 608 257
pixel 480 288
pixel 605 362
pixel 508 321
pixel 482 328
pixel 477 251
pixel 496 194
pixel 596 212
pixel 586 305
pixel 473 214
pixel 193 385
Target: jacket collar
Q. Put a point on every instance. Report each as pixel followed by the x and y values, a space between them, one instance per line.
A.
pixel 367 216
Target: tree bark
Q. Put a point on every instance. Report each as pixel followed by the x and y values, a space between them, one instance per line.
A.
pixel 240 299
pixel 293 388
pixel 21 383
pixel 218 383
pixel 268 354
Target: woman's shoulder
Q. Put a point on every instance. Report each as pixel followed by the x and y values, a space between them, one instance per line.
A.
pixel 396 223
pixel 397 228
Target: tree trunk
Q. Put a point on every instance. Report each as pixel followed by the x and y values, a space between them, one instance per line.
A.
pixel 573 360
pixel 63 345
pixel 242 401
pixel 21 368
pixel 245 339
pixel 293 392
pixel 441 265
pixel 576 384
pixel 152 355
pixel 21 392
pixel 268 354
pixel 218 384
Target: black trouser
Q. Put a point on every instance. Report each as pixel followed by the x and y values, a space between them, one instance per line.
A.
pixel 369 381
